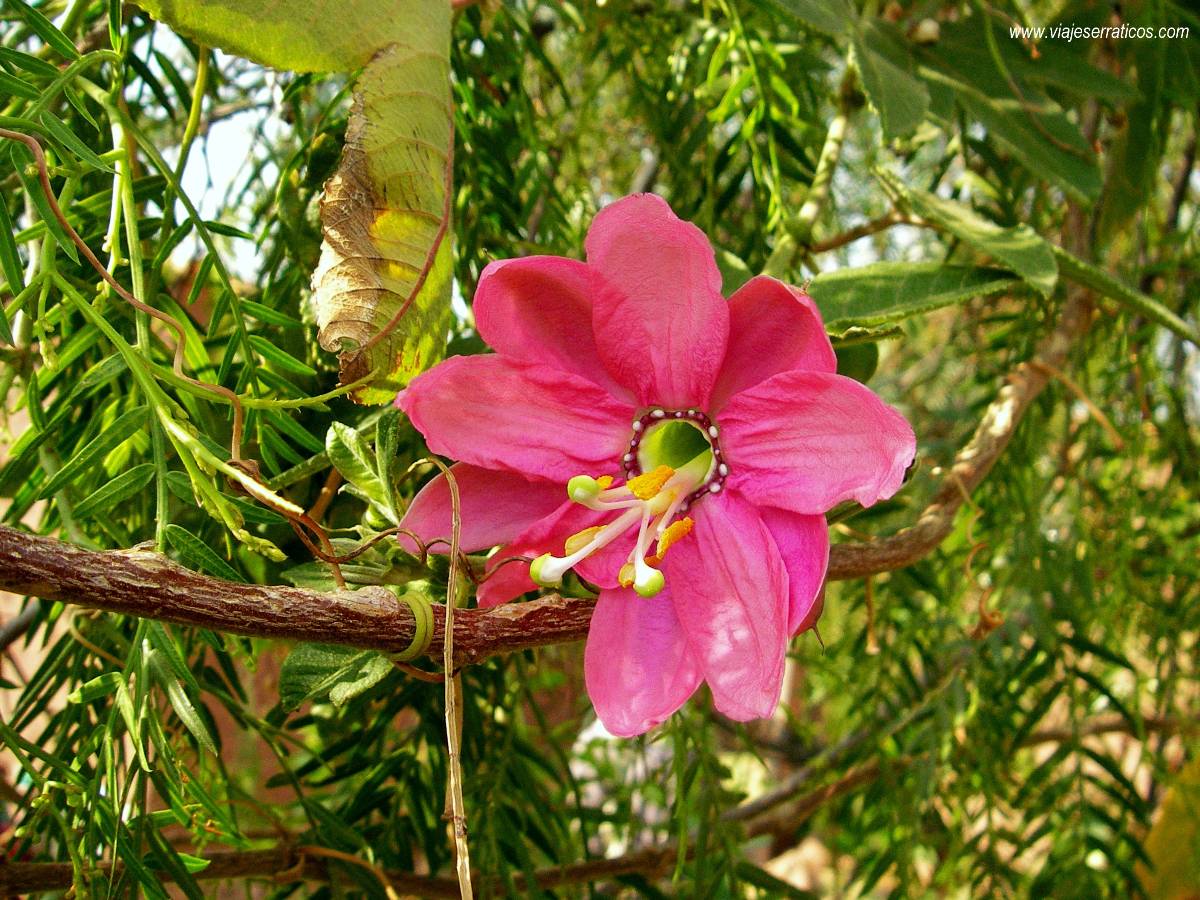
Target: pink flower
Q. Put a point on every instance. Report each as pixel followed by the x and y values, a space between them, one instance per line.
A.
pixel 676 449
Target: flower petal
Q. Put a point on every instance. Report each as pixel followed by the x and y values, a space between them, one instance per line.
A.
pixel 500 414
pixel 539 310
pixel 637 664
pixel 504 582
pixel 660 321
pixel 806 441
pixel 495 506
pixel 549 535
pixel 731 595
pixel 772 328
pixel 803 542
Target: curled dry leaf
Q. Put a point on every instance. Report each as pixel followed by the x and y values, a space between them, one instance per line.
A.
pixel 382 286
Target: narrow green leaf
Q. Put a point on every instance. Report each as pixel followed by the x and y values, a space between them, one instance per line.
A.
pixel 228 230
pixel 96 449
pixel 66 136
pixel 27 61
pixel 890 291
pixel 269 316
pixel 283 360
pixel 21 160
pixel 181 703
pixel 1075 269
pixel 17 87
pixel 100 686
pixel 45 30
pixel 121 488
pixel 285 424
pixel 197 555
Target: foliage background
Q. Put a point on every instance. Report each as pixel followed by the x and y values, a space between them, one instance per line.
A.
pixel 1001 718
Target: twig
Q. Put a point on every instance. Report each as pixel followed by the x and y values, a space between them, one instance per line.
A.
pixel 787 810
pixel 884 222
pixel 1073 386
pixel 454 790
pixel 795 240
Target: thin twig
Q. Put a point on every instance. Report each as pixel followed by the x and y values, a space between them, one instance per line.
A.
pixel 453 686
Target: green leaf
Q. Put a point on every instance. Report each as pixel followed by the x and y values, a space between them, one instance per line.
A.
pixel 371 671
pixel 96 449
pixel 1084 273
pixel 1031 126
pixel 1019 247
pixel 22 162
pixel 316 670
pixel 100 686
pixel 885 63
pixel 350 455
pixel 121 488
pixel 283 360
pixel 194 864
pixel 890 291
pixel 197 555
pixel 269 316
pixel 180 702
pixel 833 17
pixel 30 63
pixel 17 87
pixel 45 29
pixel 56 129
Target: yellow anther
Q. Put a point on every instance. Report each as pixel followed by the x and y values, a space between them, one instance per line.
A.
pixel 676 531
pixel 625 576
pixel 580 539
pixel 648 485
pixel 604 482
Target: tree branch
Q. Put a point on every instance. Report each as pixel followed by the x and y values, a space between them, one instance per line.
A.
pixel 789 808
pixel 146 584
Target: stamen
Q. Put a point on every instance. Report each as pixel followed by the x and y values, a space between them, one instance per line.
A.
pixel 581 539
pixel 548 570
pixel 673 533
pixel 648 485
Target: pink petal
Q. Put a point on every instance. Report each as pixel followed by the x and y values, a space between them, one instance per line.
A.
pixel 495 506
pixel 803 542
pixel 660 321
pixel 772 328
pixel 637 664
pixel 504 582
pixel 539 310
pixel 731 595
pixel 500 414
pixel 806 441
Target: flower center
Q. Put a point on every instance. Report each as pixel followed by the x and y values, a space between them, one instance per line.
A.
pixel 673 460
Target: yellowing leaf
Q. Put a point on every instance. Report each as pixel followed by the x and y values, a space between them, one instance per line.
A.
pixel 382 286
pixel 386 217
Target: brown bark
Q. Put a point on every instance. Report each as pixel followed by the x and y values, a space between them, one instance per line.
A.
pixel 146 584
